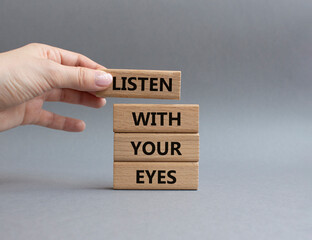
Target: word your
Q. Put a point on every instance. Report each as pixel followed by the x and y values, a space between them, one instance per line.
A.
pixel 150 84
pixel 160 176
pixel 149 148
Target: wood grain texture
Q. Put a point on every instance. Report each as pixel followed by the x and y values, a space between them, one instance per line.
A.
pixel 174 118
pixel 167 175
pixel 156 147
pixel 131 83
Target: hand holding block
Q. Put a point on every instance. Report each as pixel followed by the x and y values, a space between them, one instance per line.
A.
pixel 155 175
pixel 161 118
pixel 156 147
pixel 129 83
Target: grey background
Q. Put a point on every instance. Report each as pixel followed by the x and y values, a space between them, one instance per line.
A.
pixel 248 63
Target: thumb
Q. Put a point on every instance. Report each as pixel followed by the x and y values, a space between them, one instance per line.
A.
pixel 82 79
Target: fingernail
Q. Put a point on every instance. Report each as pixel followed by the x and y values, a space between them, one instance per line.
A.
pixel 103 79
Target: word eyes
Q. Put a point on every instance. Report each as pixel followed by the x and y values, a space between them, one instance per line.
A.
pixel 155 176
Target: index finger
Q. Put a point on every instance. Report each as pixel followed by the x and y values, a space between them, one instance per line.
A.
pixel 69 58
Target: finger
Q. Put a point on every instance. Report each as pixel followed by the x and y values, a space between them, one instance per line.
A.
pixel 78 78
pixel 55 121
pixel 69 58
pixel 75 97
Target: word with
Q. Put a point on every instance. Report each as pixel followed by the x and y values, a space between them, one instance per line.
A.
pixel 145 118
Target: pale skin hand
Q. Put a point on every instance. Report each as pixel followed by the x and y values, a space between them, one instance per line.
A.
pixel 36 73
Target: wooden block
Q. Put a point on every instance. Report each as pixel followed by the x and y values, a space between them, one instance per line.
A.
pixel 156 147
pixel 130 83
pixel 156 175
pixel 173 118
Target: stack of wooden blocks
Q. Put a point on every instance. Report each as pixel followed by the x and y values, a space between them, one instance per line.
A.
pixel 156 146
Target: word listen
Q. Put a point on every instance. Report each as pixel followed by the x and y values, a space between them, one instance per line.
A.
pixel 156 118
pixel 160 176
pixel 149 148
pixel 149 84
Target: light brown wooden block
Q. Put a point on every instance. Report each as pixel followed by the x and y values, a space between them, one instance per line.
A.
pixel 155 175
pixel 172 118
pixel 130 83
pixel 156 147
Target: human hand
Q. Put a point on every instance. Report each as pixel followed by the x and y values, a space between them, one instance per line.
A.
pixel 36 73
